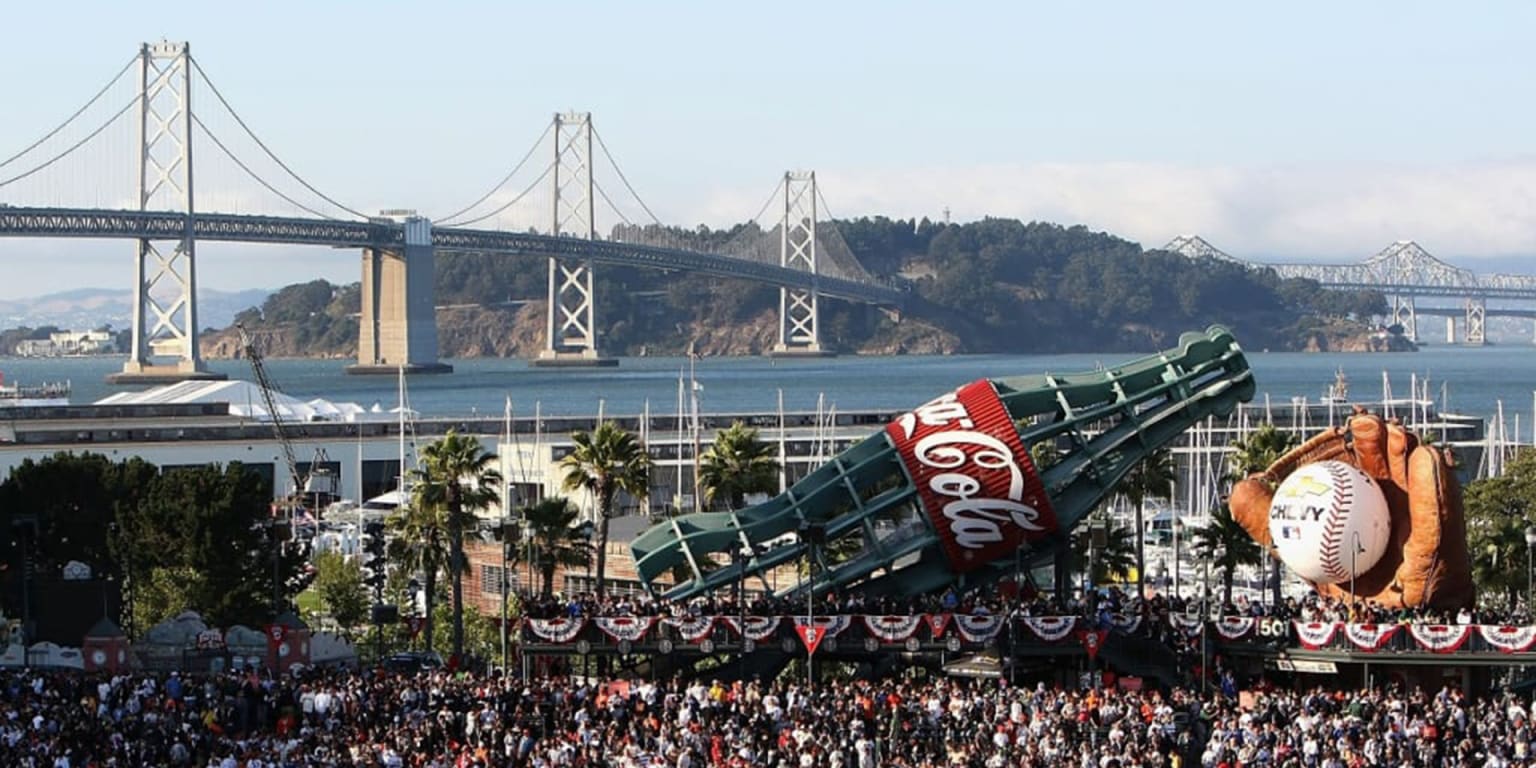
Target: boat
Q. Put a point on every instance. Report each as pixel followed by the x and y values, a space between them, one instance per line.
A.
pixel 47 393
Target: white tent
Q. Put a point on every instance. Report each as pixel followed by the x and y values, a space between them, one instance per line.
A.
pixel 244 399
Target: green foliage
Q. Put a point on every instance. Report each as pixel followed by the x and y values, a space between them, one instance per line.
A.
pixel 604 462
pixel 1261 448
pixel 1498 512
pixel 480 637
pixel 1224 534
pixel 736 464
pixel 339 582
pixel 460 477
pixel 418 543
pixel 1111 563
pixel 555 539
pixel 1151 478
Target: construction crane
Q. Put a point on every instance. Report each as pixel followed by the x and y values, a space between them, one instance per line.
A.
pixel 318 480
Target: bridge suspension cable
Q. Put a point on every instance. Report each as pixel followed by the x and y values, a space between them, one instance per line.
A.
pixel 448 221
pixel 620 171
pixel 255 176
pixel 82 142
pixel 61 126
pixel 514 201
pixel 264 148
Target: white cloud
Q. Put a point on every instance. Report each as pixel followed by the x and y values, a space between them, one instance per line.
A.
pixel 1275 213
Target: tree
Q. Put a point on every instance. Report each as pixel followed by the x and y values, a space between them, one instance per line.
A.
pixel 555 540
pixel 418 540
pixel 603 463
pixel 339 582
pixel 738 463
pixel 1224 533
pixel 201 532
pixel 1111 562
pixel 1151 478
pixel 459 475
pixel 1498 511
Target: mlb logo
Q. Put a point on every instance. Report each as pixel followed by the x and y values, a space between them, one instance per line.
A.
pixel 1290 532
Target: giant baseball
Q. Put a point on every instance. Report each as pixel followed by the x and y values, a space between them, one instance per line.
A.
pixel 1329 522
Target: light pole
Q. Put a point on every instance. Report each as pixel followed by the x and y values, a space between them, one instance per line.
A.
pixel 1530 546
pixel 1353 551
pixel 811 534
pixel 1205 621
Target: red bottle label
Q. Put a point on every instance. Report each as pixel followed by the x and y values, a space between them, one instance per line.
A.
pixel 974 478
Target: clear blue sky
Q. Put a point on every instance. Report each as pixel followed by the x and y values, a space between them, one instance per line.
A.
pixel 1296 131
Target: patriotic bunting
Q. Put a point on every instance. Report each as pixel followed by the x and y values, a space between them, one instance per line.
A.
pixel 1050 628
pixel 692 628
pixel 1235 627
pixel 631 628
pixel 978 629
pixel 1315 634
pixel 1369 637
pixel 1508 639
pixel 1440 638
pixel 758 627
pixel 831 626
pixel 557 630
pixel 1126 623
pixel 1192 625
pixel 892 629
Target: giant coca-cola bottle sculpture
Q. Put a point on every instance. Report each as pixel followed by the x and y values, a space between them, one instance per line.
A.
pixel 948 494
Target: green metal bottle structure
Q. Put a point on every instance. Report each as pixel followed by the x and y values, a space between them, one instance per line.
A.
pixel 948 495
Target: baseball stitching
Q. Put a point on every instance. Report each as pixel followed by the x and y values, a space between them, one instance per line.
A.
pixel 1333 532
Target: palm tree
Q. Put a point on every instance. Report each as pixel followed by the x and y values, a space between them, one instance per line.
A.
pixel 419 539
pixel 1254 453
pixel 554 539
pixel 1112 561
pixel 1258 450
pixel 603 462
pixel 1224 534
pixel 1151 478
pixel 738 463
pixel 461 476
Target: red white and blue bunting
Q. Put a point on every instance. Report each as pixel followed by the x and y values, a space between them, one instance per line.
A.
pixel 757 628
pixel 1126 623
pixel 631 628
pixel 1051 628
pixel 1440 638
pixel 1508 639
pixel 691 628
pixel 1235 627
pixel 1370 637
pixel 832 626
pixel 557 630
pixel 1191 625
pixel 978 629
pixel 892 629
pixel 1315 634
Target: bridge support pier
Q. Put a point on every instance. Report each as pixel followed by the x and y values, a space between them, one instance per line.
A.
pixel 799 311
pixel 1404 314
pixel 398 323
pixel 1477 314
pixel 570 337
pixel 165 284
pixel 1450 330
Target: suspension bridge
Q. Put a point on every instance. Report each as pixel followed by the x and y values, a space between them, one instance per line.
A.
pixel 121 167
pixel 1414 282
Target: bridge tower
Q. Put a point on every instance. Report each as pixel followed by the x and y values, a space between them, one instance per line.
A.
pixel 799 326
pixel 397 324
pixel 570 337
pixel 1404 314
pixel 1476 314
pixel 165 283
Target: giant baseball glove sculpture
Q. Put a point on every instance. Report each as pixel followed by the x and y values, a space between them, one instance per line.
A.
pixel 1425 563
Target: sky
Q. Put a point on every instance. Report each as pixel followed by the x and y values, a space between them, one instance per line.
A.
pixel 1302 131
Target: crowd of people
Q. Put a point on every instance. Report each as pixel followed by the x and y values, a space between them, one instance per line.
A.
pixel 440 719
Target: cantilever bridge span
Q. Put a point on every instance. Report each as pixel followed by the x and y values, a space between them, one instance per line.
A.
pixel 1414 282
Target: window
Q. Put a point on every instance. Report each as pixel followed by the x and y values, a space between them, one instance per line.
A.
pixel 492 575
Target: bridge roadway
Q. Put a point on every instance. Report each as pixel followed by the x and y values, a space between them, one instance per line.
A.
pixel 388 235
